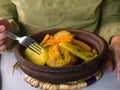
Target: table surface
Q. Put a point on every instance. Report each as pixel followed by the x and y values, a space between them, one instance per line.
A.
pixel 15 81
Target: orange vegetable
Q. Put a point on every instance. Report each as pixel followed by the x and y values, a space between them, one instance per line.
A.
pixel 64 39
pixel 47 36
pixel 62 33
pixel 82 44
pixel 56 50
pixel 58 40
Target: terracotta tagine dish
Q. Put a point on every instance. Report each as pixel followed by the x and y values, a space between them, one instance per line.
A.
pixel 65 61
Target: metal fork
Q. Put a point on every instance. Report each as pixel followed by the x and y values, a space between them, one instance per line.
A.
pixel 26 41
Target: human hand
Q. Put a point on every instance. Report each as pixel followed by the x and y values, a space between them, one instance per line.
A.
pixel 4 40
pixel 114 55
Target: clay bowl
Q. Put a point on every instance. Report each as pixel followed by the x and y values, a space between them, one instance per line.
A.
pixel 64 74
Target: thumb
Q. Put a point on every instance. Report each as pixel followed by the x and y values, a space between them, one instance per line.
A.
pixel 117 59
pixel 5 25
pixel 2 28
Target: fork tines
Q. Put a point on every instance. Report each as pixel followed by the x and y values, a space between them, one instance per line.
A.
pixel 32 44
pixel 36 48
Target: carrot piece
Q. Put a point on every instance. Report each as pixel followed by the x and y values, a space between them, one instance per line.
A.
pixel 56 49
pixel 53 41
pixel 47 36
pixel 65 39
pixel 82 44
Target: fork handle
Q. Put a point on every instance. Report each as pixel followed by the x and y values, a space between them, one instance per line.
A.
pixel 10 35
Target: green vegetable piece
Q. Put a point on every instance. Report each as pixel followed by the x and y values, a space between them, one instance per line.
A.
pixel 78 51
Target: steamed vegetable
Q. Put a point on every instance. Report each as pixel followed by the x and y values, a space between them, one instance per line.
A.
pixel 36 58
pixel 65 58
pixel 77 50
pixel 82 44
pixel 61 49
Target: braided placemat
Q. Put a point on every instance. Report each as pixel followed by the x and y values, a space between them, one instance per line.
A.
pixel 64 86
